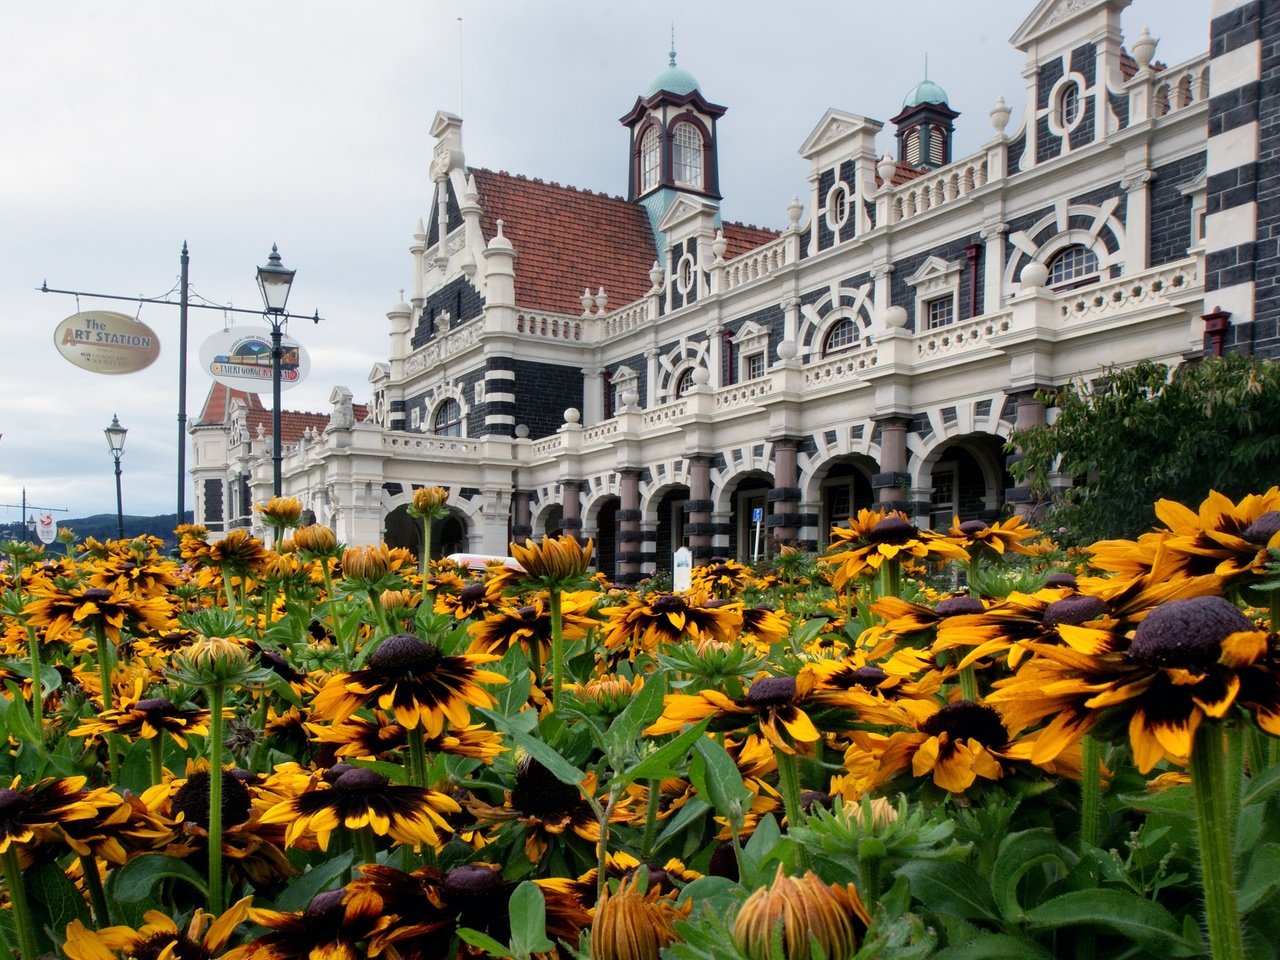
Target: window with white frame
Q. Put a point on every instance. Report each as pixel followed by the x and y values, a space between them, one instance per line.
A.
pixel 686 155
pixel 842 335
pixel 1068 105
pixel 751 345
pixel 650 158
pixel 684 382
pixel 1075 265
pixel 754 365
pixel 939 312
pixel 447 421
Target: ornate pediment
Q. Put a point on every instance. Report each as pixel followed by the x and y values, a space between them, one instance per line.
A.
pixel 835 128
pixel 683 209
pixel 1050 16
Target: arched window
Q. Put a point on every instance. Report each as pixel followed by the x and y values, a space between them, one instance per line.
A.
pixel 912 147
pixel 650 159
pixel 843 335
pixel 686 155
pixel 684 382
pixel 448 419
pixel 1076 264
pixel 1068 105
pixel 937 146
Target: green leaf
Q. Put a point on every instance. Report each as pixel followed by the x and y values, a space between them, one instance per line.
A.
pixel 994 946
pixel 645 707
pixel 134 881
pixel 19 719
pixel 1142 921
pixel 718 894
pixel 53 898
pixel 658 764
pixel 514 695
pixel 1262 786
pixel 714 774
pixel 558 766
pixel 1019 853
pixel 950 888
pixel 528 912
pixel 1261 879
pixel 477 939
pixel 318 879
pixel 691 812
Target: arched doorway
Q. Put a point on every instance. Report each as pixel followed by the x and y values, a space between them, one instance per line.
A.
pixel 845 488
pixel 605 558
pixel 669 535
pixel 749 495
pixel 968 479
pixel 448 534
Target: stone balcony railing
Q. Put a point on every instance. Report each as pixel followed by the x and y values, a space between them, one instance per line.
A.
pixel 938 187
pixel 962 336
pixel 754 264
pixel 1126 294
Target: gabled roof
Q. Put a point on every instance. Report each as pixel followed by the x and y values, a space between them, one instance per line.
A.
pixel 566 240
pixel 217 405
pixel 293 424
pixel 743 237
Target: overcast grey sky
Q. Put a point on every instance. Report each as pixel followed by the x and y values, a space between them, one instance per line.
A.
pixel 127 128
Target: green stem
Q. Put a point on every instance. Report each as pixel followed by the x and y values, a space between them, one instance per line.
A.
pixel 267 607
pixel 379 613
pixel 417 758
pixel 215 799
pixel 789 783
pixel 230 592
pixel 23 922
pixel 602 849
pixel 37 685
pixel 557 649
pixel 969 684
pixel 1210 786
pixel 259 748
pixel 650 818
pixel 93 882
pixel 1090 792
pixel 426 547
pixel 105 658
pixel 366 850
pixel 156 747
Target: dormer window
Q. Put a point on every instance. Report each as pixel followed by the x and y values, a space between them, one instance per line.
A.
pixel 686 155
pixel 650 159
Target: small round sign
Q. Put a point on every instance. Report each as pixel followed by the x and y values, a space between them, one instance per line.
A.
pixel 102 341
pixel 46 529
pixel 240 357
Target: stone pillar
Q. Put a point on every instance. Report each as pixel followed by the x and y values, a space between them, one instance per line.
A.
pixel 571 507
pixel 630 552
pixel 1137 220
pixel 1030 412
pixel 699 528
pixel 784 516
pixel 891 482
pixel 521 516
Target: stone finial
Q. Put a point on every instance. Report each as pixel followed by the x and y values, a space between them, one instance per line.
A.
pixel 787 350
pixel 522 431
pixel 794 209
pixel 572 415
pixel 1034 275
pixel 1000 116
pixel 894 318
pixel 602 300
pixel 719 245
pixel 500 241
pixel 420 231
pixel 630 398
pixel 656 275
pixel 1144 49
pixel 885 169
pixel 587 301
pixel 701 376
pixel 468 264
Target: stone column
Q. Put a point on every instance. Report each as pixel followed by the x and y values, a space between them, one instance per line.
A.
pixel 699 528
pixel 630 537
pixel 1137 220
pixel 784 517
pixel 521 516
pixel 1029 412
pixel 571 507
pixel 891 482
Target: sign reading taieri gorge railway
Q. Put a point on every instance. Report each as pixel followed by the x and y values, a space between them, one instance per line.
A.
pixel 102 341
pixel 241 357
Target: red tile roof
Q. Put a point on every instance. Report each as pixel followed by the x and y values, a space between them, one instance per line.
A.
pixel 743 237
pixel 567 240
pixel 293 423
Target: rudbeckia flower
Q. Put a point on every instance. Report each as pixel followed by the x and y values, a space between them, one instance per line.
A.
pixel 1236 537
pixel 159 936
pixel 64 613
pixel 874 537
pixel 530 624
pixel 145 718
pixel 630 925
pixel 645 623
pixel 803 912
pixel 555 563
pixel 31 816
pixel 328 929
pixel 410 677
pixel 994 538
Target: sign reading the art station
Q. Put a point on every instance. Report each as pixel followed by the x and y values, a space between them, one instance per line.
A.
pixel 240 357
pixel 102 341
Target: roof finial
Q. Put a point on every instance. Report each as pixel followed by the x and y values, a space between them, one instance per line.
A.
pixel 673 44
pixel 926 64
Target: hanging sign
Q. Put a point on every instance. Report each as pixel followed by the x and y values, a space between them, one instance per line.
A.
pixel 46 529
pixel 240 357
pixel 102 341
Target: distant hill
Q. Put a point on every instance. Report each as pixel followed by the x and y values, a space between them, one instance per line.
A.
pixel 102 526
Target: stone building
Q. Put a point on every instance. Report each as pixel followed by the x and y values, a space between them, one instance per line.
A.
pixel 641 371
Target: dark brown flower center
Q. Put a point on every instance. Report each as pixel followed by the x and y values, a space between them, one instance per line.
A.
pixel 1263 529
pixel 470 885
pixel 966 720
pixel 771 692
pixel 471 594
pixel 96 595
pixel 183 948
pixel 334 773
pixel 358 778
pixel 1061 579
pixel 892 530
pixel 867 677
pixel 192 799
pixel 326 906
pixel 971 528
pixel 1186 633
pixel 667 603
pixel 1073 610
pixel 527 613
pixel 156 707
pixel 404 653
pixel 813 798
pixel 958 606
pixel 13 804
pixel 538 793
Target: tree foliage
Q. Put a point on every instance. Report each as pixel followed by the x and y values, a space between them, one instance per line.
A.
pixel 1146 432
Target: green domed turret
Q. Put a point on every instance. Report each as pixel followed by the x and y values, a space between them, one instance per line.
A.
pixel 926 91
pixel 672 80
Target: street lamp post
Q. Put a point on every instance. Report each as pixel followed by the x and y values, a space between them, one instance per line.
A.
pixel 115 441
pixel 274 281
